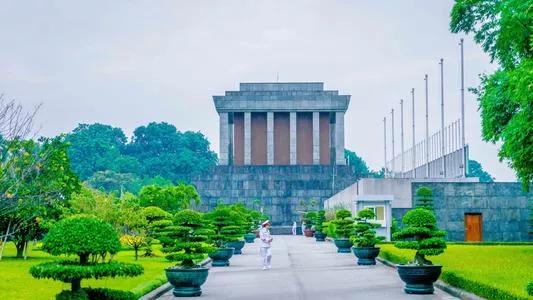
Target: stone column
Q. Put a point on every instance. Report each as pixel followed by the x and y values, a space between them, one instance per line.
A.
pixel 270 138
pixel 339 138
pixel 247 138
pixel 292 138
pixel 224 139
pixel 316 138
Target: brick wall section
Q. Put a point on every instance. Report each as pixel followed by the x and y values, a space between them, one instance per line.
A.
pixel 504 207
pixel 279 188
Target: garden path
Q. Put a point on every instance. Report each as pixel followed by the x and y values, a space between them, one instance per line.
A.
pixel 303 269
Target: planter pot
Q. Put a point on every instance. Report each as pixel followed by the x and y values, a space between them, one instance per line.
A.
pixel 343 245
pixel 220 258
pixel 308 233
pixel 249 237
pixel 320 236
pixel 366 255
pixel 186 281
pixel 419 279
pixel 238 245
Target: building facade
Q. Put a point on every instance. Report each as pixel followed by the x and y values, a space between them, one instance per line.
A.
pixel 281 150
pixel 281 124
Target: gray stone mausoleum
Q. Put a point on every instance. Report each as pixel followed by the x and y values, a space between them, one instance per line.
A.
pixel 281 144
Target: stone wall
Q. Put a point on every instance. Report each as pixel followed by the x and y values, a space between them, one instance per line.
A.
pixel 279 188
pixel 504 208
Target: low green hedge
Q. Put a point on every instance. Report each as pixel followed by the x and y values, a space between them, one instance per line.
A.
pixel 529 288
pixel 478 288
pixel 458 281
pixel 96 294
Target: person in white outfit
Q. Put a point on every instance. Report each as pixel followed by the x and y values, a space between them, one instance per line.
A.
pixel 264 247
pixel 294 228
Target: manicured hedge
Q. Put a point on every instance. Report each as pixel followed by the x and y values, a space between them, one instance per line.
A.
pixel 478 288
pixel 96 294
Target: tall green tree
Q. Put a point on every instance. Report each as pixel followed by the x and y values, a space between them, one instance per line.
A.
pixel 504 28
pixel 361 169
pixel 476 170
pixel 163 151
pixel 98 147
pixel 36 182
pixel 169 198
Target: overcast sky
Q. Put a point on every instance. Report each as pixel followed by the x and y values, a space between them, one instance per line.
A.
pixel 127 63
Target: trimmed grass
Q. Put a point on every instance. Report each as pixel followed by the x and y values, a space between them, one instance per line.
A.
pixel 493 272
pixel 17 283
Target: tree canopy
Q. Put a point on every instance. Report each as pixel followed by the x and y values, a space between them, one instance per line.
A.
pixel 476 170
pixel 504 28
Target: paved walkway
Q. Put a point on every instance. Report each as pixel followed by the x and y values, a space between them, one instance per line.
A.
pixel 303 269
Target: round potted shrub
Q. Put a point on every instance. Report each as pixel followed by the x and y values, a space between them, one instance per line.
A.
pixel 420 233
pixel 343 229
pixel 365 238
pixel 186 243
pixel 226 227
pixel 309 220
pixel 94 242
pixel 319 223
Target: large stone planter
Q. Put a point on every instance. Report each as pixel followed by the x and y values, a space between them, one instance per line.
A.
pixel 220 258
pixel 343 245
pixel 238 245
pixel 366 255
pixel 186 281
pixel 320 236
pixel 419 279
pixel 249 237
pixel 308 233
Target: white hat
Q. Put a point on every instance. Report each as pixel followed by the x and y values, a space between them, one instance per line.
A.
pixel 265 222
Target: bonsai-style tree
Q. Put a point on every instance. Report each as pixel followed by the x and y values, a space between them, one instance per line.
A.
pixel 424 198
pixel 420 233
pixel 320 218
pixel 226 224
pixel 364 231
pixel 343 224
pixel 310 219
pixel 156 219
pixel 91 240
pixel 186 240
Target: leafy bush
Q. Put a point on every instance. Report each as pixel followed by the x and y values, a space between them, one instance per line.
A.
pixel 424 198
pixel 310 219
pixel 319 220
pixel 364 233
pixel 420 233
pixel 227 225
pixel 186 240
pixel 529 288
pixel 91 240
pixel 344 224
pixel 96 294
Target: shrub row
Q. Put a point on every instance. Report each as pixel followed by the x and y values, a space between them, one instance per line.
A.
pixel 96 294
pixel 458 281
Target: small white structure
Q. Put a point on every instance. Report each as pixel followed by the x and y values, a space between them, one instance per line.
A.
pixel 381 205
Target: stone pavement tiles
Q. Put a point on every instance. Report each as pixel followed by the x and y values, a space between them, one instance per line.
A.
pixel 303 269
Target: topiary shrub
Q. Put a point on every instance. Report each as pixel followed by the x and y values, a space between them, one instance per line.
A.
pixel 320 218
pixel 344 224
pixel 226 224
pixel 186 241
pixel 109 294
pixel 420 233
pixel 92 240
pixel 529 288
pixel 364 233
pixel 310 219
pixel 424 198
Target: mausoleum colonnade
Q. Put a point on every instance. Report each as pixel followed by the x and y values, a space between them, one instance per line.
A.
pixel 281 124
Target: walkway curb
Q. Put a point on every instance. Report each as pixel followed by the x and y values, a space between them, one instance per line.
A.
pixel 456 292
pixel 158 292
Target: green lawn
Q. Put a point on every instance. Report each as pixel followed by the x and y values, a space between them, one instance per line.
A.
pixel 17 283
pixel 480 269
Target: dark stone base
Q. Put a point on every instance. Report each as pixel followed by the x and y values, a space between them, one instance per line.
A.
pixel 278 188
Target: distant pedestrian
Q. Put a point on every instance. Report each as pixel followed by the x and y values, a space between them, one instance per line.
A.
pixel 266 241
pixel 303 227
pixel 294 228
